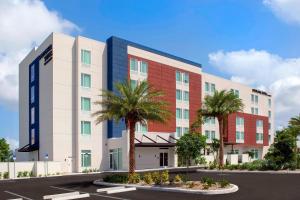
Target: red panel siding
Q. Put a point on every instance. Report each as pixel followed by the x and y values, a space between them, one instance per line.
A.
pixel 195 95
pixel 163 77
pixel 249 129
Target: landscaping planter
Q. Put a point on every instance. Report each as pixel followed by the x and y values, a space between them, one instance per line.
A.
pixel 231 189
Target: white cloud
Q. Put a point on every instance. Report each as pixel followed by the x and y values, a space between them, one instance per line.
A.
pixel 24 24
pixel 266 71
pixel 287 10
pixel 13 143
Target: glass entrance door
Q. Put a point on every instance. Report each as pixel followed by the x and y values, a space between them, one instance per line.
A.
pixel 163 159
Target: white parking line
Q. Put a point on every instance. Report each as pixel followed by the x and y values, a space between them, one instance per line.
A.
pixel 79 196
pixel 110 188
pixel 95 194
pixel 121 190
pixel 60 195
pixel 18 195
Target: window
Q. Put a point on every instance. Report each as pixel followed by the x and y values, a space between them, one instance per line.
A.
pixel 86 158
pixel 252 110
pixel 115 159
pixel 213 88
pixel 186 114
pixel 270 126
pixel 32 95
pixel 178 95
pixel 239 136
pixel 85 128
pixel 207 134
pixel 32 136
pixel 270 114
pixel 255 152
pixel 206 87
pixel 178 76
pixel 178 113
pixel 178 131
pixel 212 120
pixel 185 77
pixel 139 127
pixel 32 67
pixel 254 99
pixel 213 135
pixel 239 121
pixel 236 92
pixel 256 111
pixel 133 83
pixel 210 135
pixel 144 67
pixel 210 87
pixel 185 130
pixel 85 104
pixel 32 115
pixel 85 57
pixel 259 137
pixel 259 123
pixel 270 103
pixel 86 80
pixel 186 95
pixel 133 64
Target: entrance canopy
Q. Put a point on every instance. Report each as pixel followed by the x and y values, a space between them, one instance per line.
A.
pixel 155 140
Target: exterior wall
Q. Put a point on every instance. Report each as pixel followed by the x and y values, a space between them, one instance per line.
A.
pixel 97 70
pixel 249 118
pixel 249 129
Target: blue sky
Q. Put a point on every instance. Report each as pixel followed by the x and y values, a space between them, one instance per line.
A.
pixel 266 32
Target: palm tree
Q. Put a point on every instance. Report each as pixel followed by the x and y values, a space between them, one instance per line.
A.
pixel 220 105
pixel 140 104
pixel 295 121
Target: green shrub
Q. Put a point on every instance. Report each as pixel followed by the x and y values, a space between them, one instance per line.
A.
pixel 213 165
pixel 156 178
pixel 224 183
pixel 31 174
pixel 134 178
pixel 5 175
pixel 0 175
pixel 191 184
pixel 148 178
pixel 298 161
pixel 116 178
pixel 20 174
pixel 85 171
pixel 165 176
pixel 207 180
pixel 25 174
pixel 200 160
pixel 178 179
pixel 206 186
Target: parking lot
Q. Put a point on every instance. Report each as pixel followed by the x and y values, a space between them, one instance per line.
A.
pixel 252 186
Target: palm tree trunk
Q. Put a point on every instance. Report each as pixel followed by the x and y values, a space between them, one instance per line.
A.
pixel 131 147
pixel 221 131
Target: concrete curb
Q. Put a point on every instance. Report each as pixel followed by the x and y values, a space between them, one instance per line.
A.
pixel 233 189
pixel 247 171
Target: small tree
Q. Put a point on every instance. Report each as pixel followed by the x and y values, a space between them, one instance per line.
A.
pixel 189 146
pixel 215 146
pixel 281 154
pixel 4 150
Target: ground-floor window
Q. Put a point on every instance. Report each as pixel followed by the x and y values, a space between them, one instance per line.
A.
pixel 255 152
pixel 115 159
pixel 86 158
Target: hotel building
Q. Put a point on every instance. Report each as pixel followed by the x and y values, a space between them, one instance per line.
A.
pixel 60 80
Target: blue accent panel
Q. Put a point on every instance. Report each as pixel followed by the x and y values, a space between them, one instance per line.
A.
pixel 117 64
pixel 35 83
